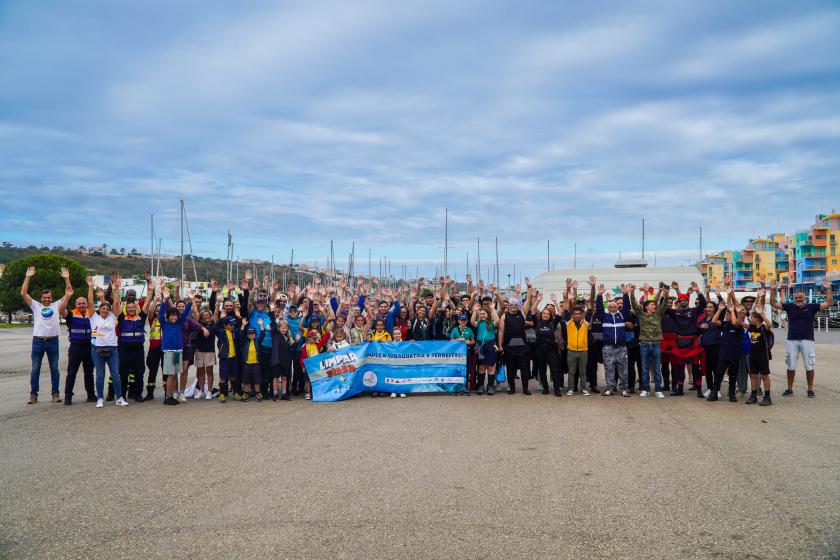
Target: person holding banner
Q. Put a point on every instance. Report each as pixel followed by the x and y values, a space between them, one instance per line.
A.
pixel 315 345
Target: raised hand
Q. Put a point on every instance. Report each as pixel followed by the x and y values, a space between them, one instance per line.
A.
pixel 601 289
pixel 592 280
pixel 89 280
pixel 553 297
pixel 148 276
pixel 248 274
pixel 623 288
pixel 527 281
pixel 631 288
pixel 64 273
pixel 568 282
pixel 68 291
pixel 675 285
pixel 773 284
pixel 30 272
pixel 116 281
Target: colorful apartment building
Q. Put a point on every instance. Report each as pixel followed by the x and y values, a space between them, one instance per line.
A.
pixel 797 261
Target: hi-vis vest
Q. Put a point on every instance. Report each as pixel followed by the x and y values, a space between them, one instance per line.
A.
pixel 154 330
pixel 132 329
pixel 576 337
pixel 79 326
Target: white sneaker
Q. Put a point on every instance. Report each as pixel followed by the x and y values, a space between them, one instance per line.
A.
pixel 644 394
pixel 607 393
pixel 707 392
pixel 570 392
pixel 198 395
pixel 584 392
pixel 121 402
pixel 402 395
pixel 100 403
pixel 182 398
pixel 660 395
pixel 393 395
pixel 308 396
pixel 625 393
pixel 208 396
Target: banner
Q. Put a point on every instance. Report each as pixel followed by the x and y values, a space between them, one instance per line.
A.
pixel 389 367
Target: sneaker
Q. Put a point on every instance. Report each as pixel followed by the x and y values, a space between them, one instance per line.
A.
pixel 570 392
pixel 752 400
pixel 244 398
pixel 707 392
pixel 584 392
pixel 208 396
pixel 222 398
pixel 258 397
pixel 170 401
pixel 33 399
pixel 198 395
pixel 237 397
pixel 811 394
pixel 402 395
pixel 285 397
pixel 182 398
pixel 393 395
pixel 766 400
pixel 607 393
pixel 56 397
pixel 68 400
pixel 121 402
pixel 215 393
pixel 644 394
pixel 787 393
pixel 491 390
pixel 308 396
pixel 100 403
pixel 660 395
pixel 625 393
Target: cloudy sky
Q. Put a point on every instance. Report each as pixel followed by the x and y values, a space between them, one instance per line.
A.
pixel 293 123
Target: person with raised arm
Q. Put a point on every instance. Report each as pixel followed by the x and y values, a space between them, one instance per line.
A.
pixel 614 322
pixel 686 350
pixel 650 314
pixel 731 342
pixel 46 315
pixel 511 340
pixel 78 327
pixel 760 356
pixel 105 349
pixel 576 340
pixel 800 335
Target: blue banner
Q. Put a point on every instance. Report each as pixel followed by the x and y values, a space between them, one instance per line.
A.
pixel 389 367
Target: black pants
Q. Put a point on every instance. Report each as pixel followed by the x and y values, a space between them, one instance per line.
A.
pixel 519 363
pixel 79 355
pixel 546 356
pixel 634 363
pixel 298 377
pixel 711 364
pixel 665 361
pixel 592 358
pixel 154 361
pixel 131 368
pixel 266 372
pixel 730 366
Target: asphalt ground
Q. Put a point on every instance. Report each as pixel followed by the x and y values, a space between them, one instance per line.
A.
pixel 423 477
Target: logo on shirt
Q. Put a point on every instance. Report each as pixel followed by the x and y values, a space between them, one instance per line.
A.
pixel 47 312
pixel 369 380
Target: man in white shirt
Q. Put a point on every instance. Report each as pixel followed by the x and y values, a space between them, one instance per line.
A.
pixel 46 314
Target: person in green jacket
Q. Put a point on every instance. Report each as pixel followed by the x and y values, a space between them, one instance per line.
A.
pixel 650 314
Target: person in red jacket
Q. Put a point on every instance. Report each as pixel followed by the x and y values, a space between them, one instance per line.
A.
pixel 314 345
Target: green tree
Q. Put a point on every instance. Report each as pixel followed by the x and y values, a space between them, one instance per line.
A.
pixel 47 277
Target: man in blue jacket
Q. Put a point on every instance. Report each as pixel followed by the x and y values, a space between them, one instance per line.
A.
pixel 614 324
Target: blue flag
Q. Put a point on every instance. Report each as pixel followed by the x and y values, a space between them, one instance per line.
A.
pixel 389 367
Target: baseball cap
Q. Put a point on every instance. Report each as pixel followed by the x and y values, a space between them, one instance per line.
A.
pixel 230 320
pixel 463 317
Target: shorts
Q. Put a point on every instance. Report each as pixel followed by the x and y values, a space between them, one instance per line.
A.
pixel 228 369
pixel 188 354
pixel 172 362
pixel 251 374
pixel 204 359
pixel 793 348
pixel 759 365
pixel 487 354
pixel 278 371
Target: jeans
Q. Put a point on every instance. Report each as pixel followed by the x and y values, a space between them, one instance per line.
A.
pixel 39 348
pixel 651 360
pixel 113 362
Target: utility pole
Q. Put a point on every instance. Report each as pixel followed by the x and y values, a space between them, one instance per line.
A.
pixel 574 262
pixel 643 239
pixel 152 254
pixel 478 262
pixel 498 280
pixel 548 255
pixel 182 241
pixel 446 242
pixel 700 257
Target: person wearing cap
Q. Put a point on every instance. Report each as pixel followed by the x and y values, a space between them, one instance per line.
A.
pixel 258 311
pixel 251 370
pixel 282 351
pixel 462 333
pixel 800 335
pixel 295 321
pixel 228 341
pixel 516 352
pixel 687 349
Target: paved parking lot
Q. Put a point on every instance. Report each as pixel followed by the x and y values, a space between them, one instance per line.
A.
pixel 423 477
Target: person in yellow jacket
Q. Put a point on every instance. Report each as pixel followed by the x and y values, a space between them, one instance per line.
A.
pixel 577 335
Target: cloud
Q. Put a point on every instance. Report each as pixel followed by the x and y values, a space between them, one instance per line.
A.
pixel 551 121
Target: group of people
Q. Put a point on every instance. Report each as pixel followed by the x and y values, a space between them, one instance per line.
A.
pixel 260 337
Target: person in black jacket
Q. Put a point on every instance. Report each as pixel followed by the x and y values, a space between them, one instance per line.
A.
pixel 281 356
pixel 229 341
pixel 512 327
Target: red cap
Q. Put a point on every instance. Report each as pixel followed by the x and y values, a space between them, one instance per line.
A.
pixel 683 296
